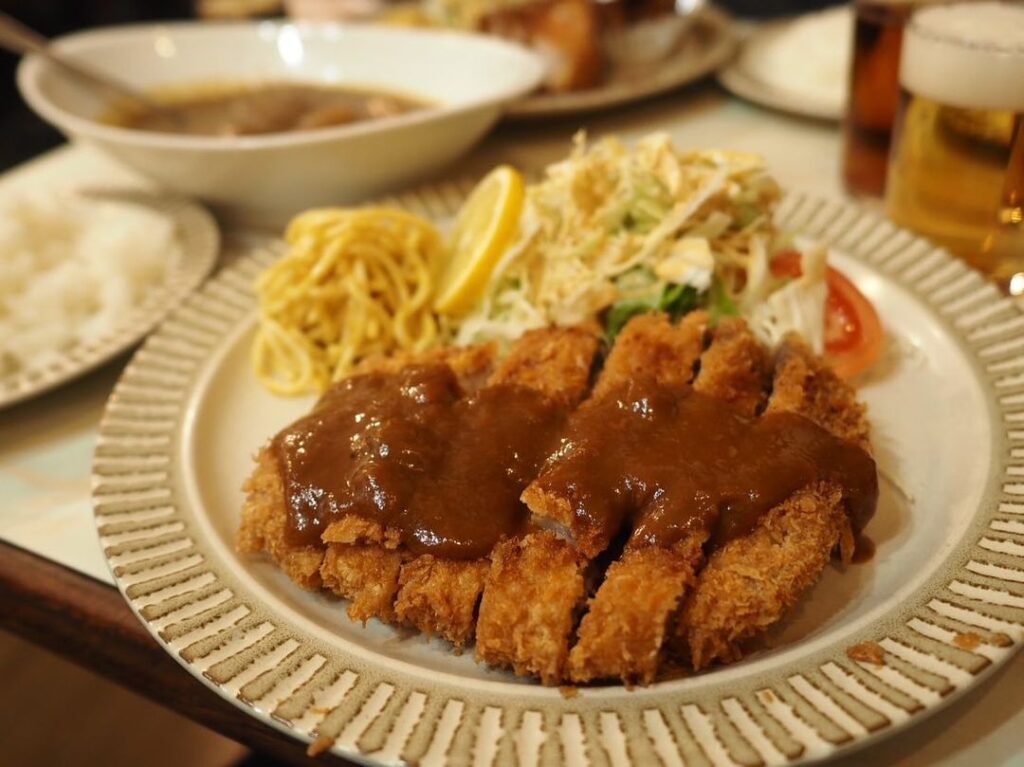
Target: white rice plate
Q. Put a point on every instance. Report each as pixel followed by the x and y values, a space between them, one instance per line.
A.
pixel 72 270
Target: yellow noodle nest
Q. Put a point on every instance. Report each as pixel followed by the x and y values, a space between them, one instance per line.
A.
pixel 354 283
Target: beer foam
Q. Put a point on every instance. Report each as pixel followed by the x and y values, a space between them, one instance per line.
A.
pixel 967 55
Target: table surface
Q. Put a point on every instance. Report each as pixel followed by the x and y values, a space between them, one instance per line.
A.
pixel 55 587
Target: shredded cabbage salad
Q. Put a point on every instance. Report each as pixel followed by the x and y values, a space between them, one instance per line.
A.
pixel 612 232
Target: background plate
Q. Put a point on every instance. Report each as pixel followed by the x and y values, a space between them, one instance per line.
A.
pixel 943 597
pixel 200 243
pixel 800 65
pixel 705 46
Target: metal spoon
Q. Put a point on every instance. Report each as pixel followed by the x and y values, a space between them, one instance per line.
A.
pixel 19 39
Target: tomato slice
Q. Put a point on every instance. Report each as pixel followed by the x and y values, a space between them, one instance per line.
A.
pixel 853 332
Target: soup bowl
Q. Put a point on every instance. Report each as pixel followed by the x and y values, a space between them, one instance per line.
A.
pixel 466 79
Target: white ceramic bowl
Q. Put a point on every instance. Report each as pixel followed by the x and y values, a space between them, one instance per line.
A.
pixel 268 177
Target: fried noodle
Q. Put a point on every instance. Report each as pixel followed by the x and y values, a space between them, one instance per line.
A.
pixel 354 283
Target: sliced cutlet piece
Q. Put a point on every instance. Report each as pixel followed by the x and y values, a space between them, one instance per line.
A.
pixel 627 622
pixel 265 512
pixel 264 519
pixel 804 384
pixel 366 575
pixel 533 636
pixel 362 560
pixel 554 361
pixel 735 368
pixel 751 582
pixel 528 611
pixel 650 346
pixel 440 597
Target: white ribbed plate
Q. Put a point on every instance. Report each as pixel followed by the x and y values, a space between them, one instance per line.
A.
pixel 199 239
pixel 944 596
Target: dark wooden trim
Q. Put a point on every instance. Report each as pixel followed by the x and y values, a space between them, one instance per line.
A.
pixel 89 623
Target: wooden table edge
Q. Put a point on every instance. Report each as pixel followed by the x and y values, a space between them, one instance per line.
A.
pixel 89 623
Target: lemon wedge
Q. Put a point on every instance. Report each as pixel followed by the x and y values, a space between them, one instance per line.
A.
pixel 483 229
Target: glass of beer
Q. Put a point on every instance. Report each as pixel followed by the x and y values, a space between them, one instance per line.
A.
pixel 956 169
pixel 874 92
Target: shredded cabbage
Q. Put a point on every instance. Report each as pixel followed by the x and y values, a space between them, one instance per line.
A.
pixel 610 225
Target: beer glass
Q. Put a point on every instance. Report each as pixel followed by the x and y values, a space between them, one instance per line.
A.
pixel 956 169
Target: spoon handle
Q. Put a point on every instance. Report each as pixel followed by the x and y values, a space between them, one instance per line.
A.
pixel 17 38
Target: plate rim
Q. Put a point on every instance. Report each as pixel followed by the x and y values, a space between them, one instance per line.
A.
pixel 725 43
pixel 199 238
pixel 156 563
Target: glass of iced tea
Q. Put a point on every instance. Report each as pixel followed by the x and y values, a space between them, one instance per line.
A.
pixel 956 169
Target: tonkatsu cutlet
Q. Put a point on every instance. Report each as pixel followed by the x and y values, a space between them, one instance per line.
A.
pixel 440 597
pixel 623 632
pixel 265 512
pixel 751 582
pixel 514 630
pixel 725 475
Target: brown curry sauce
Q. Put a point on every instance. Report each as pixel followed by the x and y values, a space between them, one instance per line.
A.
pixel 446 469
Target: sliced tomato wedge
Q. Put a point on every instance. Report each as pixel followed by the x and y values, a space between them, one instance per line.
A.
pixel 853 332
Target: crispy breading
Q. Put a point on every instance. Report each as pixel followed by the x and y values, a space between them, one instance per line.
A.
pixel 553 361
pixel 557 362
pixel 471 364
pixel 804 384
pixel 356 574
pixel 352 528
pixel 650 345
pixel 735 368
pixel 365 575
pixel 525 621
pixel 264 518
pixel 440 596
pixel 751 582
pixel 622 633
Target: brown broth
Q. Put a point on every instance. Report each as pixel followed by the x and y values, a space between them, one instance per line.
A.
pixel 255 109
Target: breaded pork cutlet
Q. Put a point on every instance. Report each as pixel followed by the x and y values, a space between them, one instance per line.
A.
pixel 703 599
pixel 750 582
pixel 516 629
pixel 363 562
pixel 440 596
pixel 622 634
pixel 358 560
pixel 649 345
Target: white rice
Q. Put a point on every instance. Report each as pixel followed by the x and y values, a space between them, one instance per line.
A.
pixel 72 270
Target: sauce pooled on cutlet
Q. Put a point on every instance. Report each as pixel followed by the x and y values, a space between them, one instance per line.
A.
pixel 446 469
pixel 668 460
pixel 413 452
